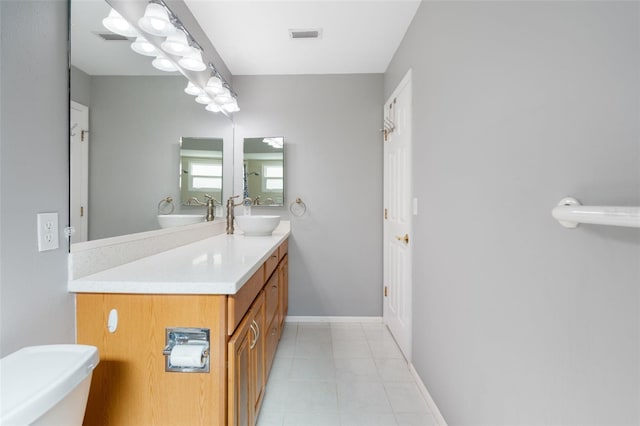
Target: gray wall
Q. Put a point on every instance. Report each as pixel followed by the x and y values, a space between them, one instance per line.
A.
pixel 80 86
pixel 35 305
pixel 136 125
pixel 333 161
pixel 518 321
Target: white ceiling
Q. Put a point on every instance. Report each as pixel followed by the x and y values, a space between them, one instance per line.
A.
pixel 252 36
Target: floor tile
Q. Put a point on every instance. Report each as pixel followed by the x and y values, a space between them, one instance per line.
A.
pixel 356 370
pixel 415 419
pixel 385 348
pixel 405 397
pixel 393 370
pixel 316 396
pixel 351 349
pixel 270 417
pixel 365 396
pixel 310 418
pixel 364 418
pixel 310 348
pixel 280 369
pixel 322 369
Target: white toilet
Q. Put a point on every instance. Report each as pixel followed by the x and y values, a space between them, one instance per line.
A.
pixel 46 385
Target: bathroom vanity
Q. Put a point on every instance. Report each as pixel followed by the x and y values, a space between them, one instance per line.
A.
pixel 235 287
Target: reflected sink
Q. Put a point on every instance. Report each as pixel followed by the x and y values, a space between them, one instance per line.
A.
pixel 172 220
pixel 257 225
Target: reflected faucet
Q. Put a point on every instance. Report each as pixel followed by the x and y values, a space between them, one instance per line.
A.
pixel 211 207
pixel 210 202
pixel 230 214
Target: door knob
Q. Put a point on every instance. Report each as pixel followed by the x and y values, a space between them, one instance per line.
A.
pixel 404 238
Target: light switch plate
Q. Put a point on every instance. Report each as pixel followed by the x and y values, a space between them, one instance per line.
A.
pixel 47 231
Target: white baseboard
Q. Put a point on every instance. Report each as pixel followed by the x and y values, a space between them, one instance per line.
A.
pixel 333 319
pixel 440 421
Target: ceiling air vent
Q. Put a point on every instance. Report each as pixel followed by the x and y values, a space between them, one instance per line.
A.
pixel 306 34
pixel 111 37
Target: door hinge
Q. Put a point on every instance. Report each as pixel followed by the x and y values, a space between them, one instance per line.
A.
pixel 386 293
pixel 82 133
pixel 81 211
pixel 386 134
pixel 386 213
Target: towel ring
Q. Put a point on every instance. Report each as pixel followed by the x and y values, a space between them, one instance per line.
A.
pixel 166 206
pixel 298 208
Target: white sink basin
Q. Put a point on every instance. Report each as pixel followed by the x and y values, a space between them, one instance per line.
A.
pixel 172 220
pixel 257 225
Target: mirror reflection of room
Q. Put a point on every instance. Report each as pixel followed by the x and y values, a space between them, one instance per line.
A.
pixel 128 145
pixel 200 170
pixel 263 171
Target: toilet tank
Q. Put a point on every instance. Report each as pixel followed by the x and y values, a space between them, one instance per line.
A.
pixel 46 385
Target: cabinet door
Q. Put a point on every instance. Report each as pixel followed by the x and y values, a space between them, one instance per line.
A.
pixel 283 289
pixel 239 385
pixel 258 358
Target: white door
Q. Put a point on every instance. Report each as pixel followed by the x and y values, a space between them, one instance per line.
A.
pixel 79 174
pixel 397 215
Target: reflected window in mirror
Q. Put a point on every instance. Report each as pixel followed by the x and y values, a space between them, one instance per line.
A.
pixel 200 170
pixel 263 170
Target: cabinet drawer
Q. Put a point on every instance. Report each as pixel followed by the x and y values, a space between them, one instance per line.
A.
pixel 270 264
pixel 272 290
pixel 283 249
pixel 238 304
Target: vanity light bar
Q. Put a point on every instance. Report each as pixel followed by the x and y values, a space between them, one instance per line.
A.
pixel 222 95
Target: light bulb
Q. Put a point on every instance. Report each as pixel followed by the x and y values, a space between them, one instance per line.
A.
pixel 213 107
pixel 204 99
pixel 163 64
pixel 223 98
pixel 214 86
pixel 193 90
pixel 193 61
pixel 177 44
pixel 156 20
pixel 231 106
pixel 117 24
pixel 143 47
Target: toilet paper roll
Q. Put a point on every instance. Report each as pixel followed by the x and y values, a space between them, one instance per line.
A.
pixel 188 356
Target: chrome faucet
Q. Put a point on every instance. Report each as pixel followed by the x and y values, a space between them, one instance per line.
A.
pixel 230 214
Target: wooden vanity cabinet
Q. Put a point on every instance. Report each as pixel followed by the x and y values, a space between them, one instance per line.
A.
pixel 130 385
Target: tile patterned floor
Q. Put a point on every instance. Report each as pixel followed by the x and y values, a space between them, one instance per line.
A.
pixel 341 374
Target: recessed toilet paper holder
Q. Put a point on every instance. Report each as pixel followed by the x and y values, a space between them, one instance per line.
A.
pixel 197 339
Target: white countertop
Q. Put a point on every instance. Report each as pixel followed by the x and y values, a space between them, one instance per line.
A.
pixel 216 265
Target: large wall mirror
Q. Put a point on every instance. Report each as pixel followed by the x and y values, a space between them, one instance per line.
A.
pixel 263 170
pixel 127 123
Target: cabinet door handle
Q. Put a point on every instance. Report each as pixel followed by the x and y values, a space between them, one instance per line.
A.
pixel 257 331
pixel 255 336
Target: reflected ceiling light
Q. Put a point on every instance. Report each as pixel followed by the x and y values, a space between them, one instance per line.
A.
pixel 143 47
pixel 193 61
pixel 117 24
pixel 274 142
pixel 215 86
pixel 223 98
pixel 156 20
pixel 213 107
pixel 177 44
pixel 163 64
pixel 193 90
pixel 204 99
pixel 231 106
